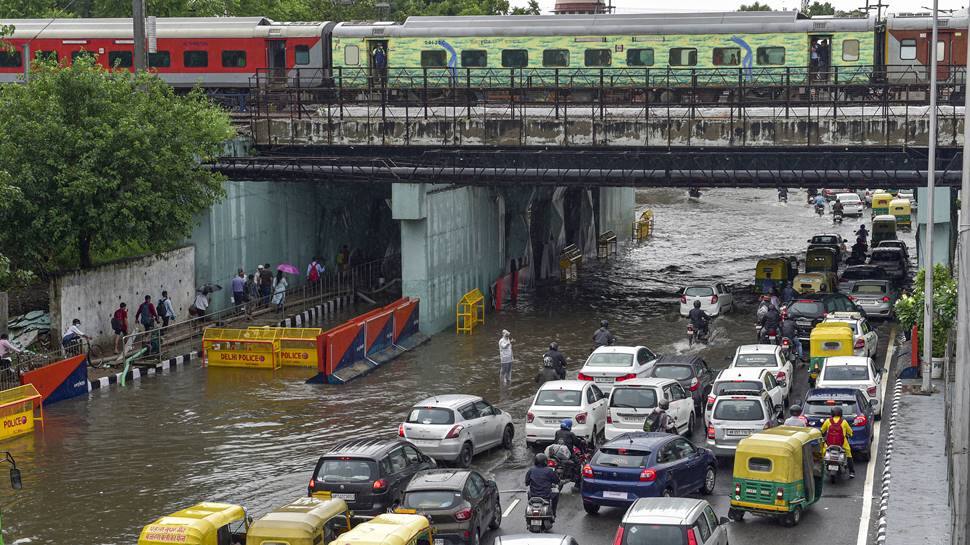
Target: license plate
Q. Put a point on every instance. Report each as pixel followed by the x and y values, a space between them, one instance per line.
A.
pixel 634 418
pixel 533 524
pixel 604 379
pixel 424 442
pixel 738 433
pixel 439 541
pixel 348 497
pixel 833 468
pixel 614 495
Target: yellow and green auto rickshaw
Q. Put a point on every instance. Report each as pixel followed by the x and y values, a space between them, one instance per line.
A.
pixel 902 210
pixel 816 282
pixel 390 529
pixel 778 269
pixel 828 339
pixel 202 524
pixel 306 521
pixel 880 204
pixel 883 228
pixel 777 473
pixel 822 259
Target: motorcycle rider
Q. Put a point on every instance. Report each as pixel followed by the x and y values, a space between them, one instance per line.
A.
pixel 659 420
pixel 837 432
pixel 547 372
pixel 558 360
pixel 542 482
pixel 565 436
pixel 862 233
pixel 838 210
pixel 783 194
pixel 771 321
pixel 602 336
pixel 787 330
pixel 796 418
pixel 699 319
pixel 820 202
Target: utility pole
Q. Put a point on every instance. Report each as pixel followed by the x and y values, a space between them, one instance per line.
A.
pixel 960 434
pixel 931 214
pixel 138 18
pixel 26 64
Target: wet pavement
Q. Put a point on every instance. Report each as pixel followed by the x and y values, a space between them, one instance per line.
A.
pixel 108 464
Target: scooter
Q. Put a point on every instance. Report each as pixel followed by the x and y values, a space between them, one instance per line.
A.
pixel 769 336
pixel 837 217
pixel 783 195
pixel 567 468
pixel 820 209
pixel 694 336
pixel 835 463
pixel 538 515
pixel 786 350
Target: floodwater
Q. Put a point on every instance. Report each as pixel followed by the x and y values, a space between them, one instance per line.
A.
pixel 106 465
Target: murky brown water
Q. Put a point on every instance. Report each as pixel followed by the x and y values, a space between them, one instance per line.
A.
pixel 106 465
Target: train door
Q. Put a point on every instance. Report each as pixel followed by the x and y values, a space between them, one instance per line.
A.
pixel 276 58
pixel 819 56
pixel 377 60
pixel 950 50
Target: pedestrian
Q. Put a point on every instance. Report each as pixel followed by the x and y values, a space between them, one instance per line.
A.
pixel 73 336
pixel 265 283
pixel 238 288
pixel 602 336
pixel 200 304
pixel 119 324
pixel 6 349
pixel 165 309
pixel 146 315
pixel 313 272
pixel 250 295
pixel 505 356
pixel 380 63
pixel 279 291
pixel 343 258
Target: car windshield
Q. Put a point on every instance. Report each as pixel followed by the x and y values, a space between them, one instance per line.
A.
pixel 739 409
pixel 639 398
pixel 737 386
pixel 806 308
pixel 346 470
pixel 431 499
pixel 676 372
pixel 823 407
pixel 609 359
pixel 886 256
pixel 755 360
pixel 653 534
pixel 824 240
pixel 699 292
pixel 869 289
pixel 848 197
pixel 559 397
pixel 431 416
pixel 620 457
pixel 845 372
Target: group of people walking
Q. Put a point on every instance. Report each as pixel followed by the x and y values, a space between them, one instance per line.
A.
pixel 259 288
pixel 148 314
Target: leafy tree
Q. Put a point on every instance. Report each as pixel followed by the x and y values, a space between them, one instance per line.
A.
pixel 910 308
pixel 102 160
pixel 756 6
pixel 531 9
pixel 819 8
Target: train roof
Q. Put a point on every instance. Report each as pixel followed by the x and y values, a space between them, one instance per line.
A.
pixel 924 21
pixel 167 27
pixel 748 22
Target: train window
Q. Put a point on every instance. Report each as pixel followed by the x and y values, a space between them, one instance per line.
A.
pixel 639 57
pixel 351 55
pixel 10 59
pixel 727 56
pixel 75 55
pixel 554 58
pixel 907 50
pixel 471 58
pixel 515 58
pixel 195 59
pixel 683 56
pixel 46 56
pixel 850 50
pixel 771 55
pixel 598 57
pixel 434 58
pixel 302 54
pixel 119 59
pixel 160 59
pixel 940 51
pixel 234 59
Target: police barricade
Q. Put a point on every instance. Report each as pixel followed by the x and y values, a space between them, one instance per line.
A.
pixel 470 311
pixel 20 408
pixel 298 346
pixel 257 348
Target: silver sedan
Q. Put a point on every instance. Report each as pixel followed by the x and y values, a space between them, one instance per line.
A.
pixel 876 297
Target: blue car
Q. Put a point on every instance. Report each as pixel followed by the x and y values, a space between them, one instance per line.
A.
pixel 646 465
pixel 855 409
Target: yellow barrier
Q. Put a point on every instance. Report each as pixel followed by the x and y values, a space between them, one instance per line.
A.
pixel 643 227
pixel 569 259
pixel 470 311
pixel 257 348
pixel 17 408
pixel 298 346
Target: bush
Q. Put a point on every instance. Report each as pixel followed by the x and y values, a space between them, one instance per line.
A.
pixel 909 308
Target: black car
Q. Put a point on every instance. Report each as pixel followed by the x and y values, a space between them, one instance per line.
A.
pixel 691 371
pixel 826 240
pixel 369 474
pixel 461 503
pixel 810 309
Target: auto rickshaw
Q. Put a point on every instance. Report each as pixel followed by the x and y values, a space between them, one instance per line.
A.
pixel 777 473
pixel 883 228
pixel 902 210
pixel 880 204
pixel 202 524
pixel 822 259
pixel 828 339
pixel 306 521
pixel 816 282
pixel 390 529
pixel 778 269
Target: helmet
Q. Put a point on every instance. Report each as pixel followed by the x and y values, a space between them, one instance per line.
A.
pixel 541 460
pixel 836 411
pixel 795 409
pixel 566 424
pixel 664 404
pixel 554 346
pixel 547 361
pixel 697 304
pixel 604 323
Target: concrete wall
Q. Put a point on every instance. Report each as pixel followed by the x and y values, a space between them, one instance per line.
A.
pixel 93 295
pixel 616 211
pixel 943 230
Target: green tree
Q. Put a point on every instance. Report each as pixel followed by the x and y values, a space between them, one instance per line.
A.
pixel 819 8
pixel 104 162
pixel 756 6
pixel 910 308
pixel 531 9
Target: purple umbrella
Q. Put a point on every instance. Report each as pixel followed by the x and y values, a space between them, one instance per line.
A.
pixel 287 268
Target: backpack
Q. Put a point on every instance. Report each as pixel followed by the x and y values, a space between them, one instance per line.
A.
pixel 160 308
pixel 652 423
pixel 835 435
pixel 115 324
pixel 314 272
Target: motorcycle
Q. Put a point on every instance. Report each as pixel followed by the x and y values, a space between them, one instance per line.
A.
pixel 820 209
pixel 767 336
pixel 783 195
pixel 786 350
pixel 837 217
pixel 538 515
pixel 836 463
pixel 695 336
pixel 568 469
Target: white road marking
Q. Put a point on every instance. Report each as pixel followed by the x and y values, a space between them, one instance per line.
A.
pixel 867 489
pixel 510 507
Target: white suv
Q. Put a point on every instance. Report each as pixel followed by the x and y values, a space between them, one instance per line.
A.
pixel 740 380
pixel 632 400
pixel 580 401
pixel 766 356
pixel 714 298
pixel 453 428
pixel 735 417
pixel 864 337
pixel 853 372
pixel 609 365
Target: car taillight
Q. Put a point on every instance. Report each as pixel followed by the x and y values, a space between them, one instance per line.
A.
pixel 584 377
pixel 860 343
pixel 694 383
pixel 627 376
pixel 551 463
pixel 648 476
pixel 710 432
pixel 714 299
pixel 380 485
pixel 581 418
pixel 529 417
pixel 400 430
pixel 455 431
pixel 618 538
pixel 871 390
pixel 860 420
pixel 780 376
pixel 885 299
pixel 464 514
pixel 312 484
pixel 587 472
pixel 683 299
pixel 710 401
pixel 784 342
pixel 609 418
pixel 691 538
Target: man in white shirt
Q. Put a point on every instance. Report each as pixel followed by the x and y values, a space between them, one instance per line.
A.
pixel 73 334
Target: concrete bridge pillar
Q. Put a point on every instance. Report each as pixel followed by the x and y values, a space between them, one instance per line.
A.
pixel 942 224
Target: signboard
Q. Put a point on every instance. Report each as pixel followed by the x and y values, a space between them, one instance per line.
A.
pixel 299 357
pixel 240 358
pixel 151 31
pixel 159 533
pixel 16 424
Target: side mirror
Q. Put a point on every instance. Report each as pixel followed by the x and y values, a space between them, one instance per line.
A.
pixel 782 383
pixel 872 403
pixel 724 520
pixel 15 481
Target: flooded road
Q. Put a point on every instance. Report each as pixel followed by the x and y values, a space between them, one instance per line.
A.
pixel 106 465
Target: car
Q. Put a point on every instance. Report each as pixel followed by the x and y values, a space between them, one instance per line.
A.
pixel 646 465
pixel 868 195
pixel 741 379
pixel 369 474
pixel 826 240
pixel 534 539
pixel 691 371
pixel 855 273
pixel 857 372
pixel 892 260
pixel 608 365
pixel 832 194
pixel 901 244
pixel 876 297
pixel 864 336
pixel 714 298
pixel 461 503
pixel 851 204
pixel 766 356
pixel 737 416
pixel 855 409
pixel 810 309
pixel 578 400
pixel 454 428
pixel 677 521
pixel 632 400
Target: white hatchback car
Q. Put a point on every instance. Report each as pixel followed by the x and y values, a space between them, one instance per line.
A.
pixel 852 205
pixel 580 401
pixel 766 356
pixel 632 400
pixel 714 298
pixel 609 365
pixel 453 428
pixel 853 372
pixel 739 379
pixel 864 337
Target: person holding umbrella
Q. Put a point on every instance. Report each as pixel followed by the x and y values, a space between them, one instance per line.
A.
pixel 279 289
